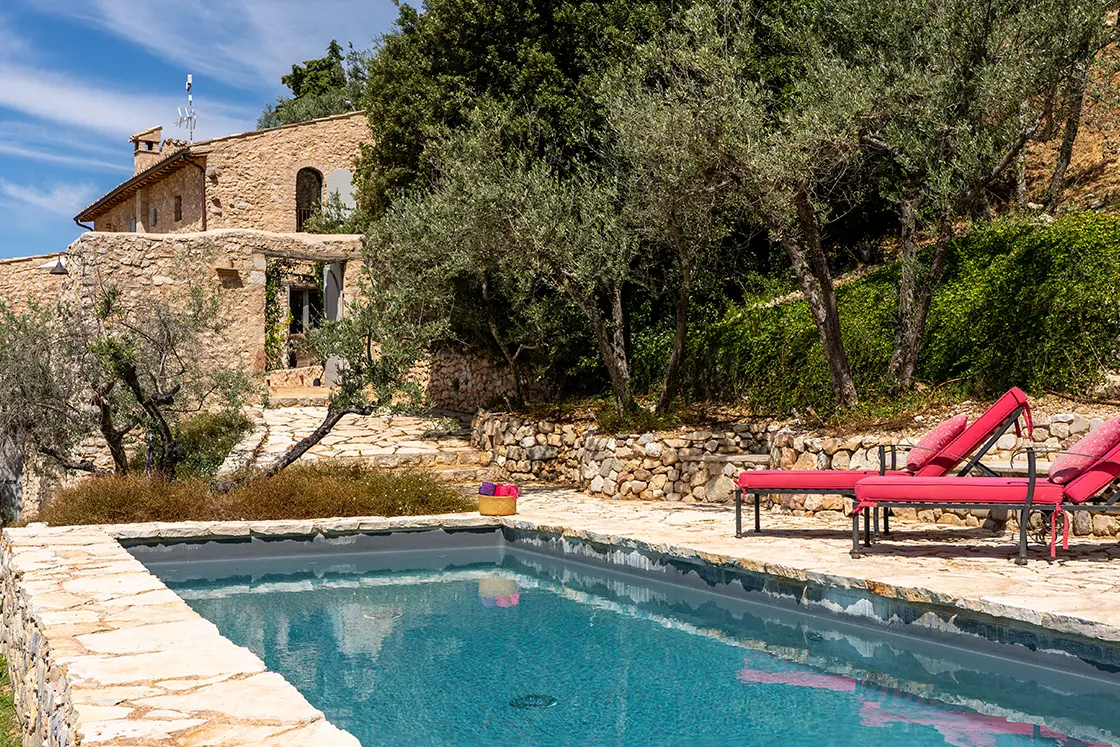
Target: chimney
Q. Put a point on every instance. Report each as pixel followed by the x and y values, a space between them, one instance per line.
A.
pixel 145 152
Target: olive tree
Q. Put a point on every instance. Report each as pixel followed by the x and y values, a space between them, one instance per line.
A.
pixel 385 330
pixel 121 369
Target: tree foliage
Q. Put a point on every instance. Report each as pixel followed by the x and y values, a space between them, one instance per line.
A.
pixel 126 370
pixel 538 60
pixel 320 88
pixel 599 159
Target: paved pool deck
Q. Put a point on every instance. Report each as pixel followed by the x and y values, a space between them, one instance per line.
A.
pixel 971 569
pixel 102 653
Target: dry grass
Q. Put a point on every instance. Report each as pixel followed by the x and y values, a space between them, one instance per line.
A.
pixel 300 492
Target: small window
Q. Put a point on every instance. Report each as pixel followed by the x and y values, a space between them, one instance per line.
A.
pixel 178 208
pixel 148 145
pixel 132 225
pixel 153 216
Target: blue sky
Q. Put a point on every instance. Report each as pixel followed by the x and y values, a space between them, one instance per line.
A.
pixel 77 77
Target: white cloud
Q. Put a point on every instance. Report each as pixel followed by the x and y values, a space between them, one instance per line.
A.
pixel 70 159
pixel 245 43
pixel 62 199
pixel 11 43
pixel 86 106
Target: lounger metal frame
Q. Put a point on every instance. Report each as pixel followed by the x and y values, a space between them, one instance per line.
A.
pixel 973 463
pixel 1024 508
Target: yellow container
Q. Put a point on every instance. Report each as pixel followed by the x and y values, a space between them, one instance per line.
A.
pixel 497 505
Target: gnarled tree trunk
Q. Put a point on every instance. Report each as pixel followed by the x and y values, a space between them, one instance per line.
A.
pixel 1075 101
pixel 806 254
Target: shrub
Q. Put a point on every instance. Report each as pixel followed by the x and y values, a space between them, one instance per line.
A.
pixel 1019 305
pixel 324 489
pixel 206 440
pixel 772 356
pixel 1028 306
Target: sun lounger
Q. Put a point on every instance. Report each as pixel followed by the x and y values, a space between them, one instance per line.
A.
pixel 1077 482
pixel 941 451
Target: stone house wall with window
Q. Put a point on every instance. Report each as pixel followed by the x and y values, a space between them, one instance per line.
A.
pixel 183 188
pixel 263 180
pixel 226 261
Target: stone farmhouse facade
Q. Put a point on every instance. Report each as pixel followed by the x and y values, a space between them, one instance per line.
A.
pixel 227 215
pixel 269 180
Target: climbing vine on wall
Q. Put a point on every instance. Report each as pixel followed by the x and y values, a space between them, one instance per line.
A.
pixel 279 274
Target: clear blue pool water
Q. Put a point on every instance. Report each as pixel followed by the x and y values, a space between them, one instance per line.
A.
pixel 442 655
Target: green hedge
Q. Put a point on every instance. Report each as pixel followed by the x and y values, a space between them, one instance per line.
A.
pixel 1030 307
pixel 1023 305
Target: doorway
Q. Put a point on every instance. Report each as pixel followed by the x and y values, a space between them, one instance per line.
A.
pixel 309 193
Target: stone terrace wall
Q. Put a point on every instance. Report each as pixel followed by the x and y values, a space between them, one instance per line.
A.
pixel 26 279
pixel 464 380
pixel 688 465
pixel 164 265
pixel 699 466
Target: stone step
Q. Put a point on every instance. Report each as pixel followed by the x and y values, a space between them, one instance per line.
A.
pixel 466 475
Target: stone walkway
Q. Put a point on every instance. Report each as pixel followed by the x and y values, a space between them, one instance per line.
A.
pixel 438 443
pixel 972 569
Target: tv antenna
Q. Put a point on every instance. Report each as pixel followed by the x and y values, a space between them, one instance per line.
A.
pixel 187 117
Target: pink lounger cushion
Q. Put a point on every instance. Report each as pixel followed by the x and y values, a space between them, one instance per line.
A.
pixel 891 489
pixel 1086 452
pixel 950 457
pixel 935 442
pixel 823 479
pixel 978 432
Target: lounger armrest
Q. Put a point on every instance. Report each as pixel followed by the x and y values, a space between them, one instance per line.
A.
pixel 883 458
pixel 1032 469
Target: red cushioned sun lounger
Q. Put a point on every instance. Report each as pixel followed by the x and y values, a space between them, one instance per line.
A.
pixel 976 440
pixel 1077 482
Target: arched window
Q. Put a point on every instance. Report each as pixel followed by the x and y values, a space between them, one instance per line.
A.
pixel 309 193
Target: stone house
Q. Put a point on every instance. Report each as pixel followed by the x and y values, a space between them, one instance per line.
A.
pixel 228 213
pixel 268 180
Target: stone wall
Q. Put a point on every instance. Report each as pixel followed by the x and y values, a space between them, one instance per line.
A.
pixel 685 465
pixel 251 178
pixel 164 266
pixel 699 465
pixel 185 184
pixel 39 686
pixel 27 279
pixel 464 380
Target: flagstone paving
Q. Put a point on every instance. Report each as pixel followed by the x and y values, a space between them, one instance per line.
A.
pixel 971 569
pixel 440 443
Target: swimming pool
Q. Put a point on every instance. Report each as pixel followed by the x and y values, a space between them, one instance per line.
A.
pixel 477 641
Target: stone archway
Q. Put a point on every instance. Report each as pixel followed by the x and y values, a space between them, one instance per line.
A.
pixel 309 193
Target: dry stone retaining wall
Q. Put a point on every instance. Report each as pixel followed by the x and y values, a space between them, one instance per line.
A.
pixel 689 465
pixel 700 465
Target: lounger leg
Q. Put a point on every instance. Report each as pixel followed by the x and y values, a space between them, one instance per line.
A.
pixel 855 534
pixel 875 513
pixel 738 512
pixel 886 521
pixel 757 512
pixel 867 527
pixel 1024 516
